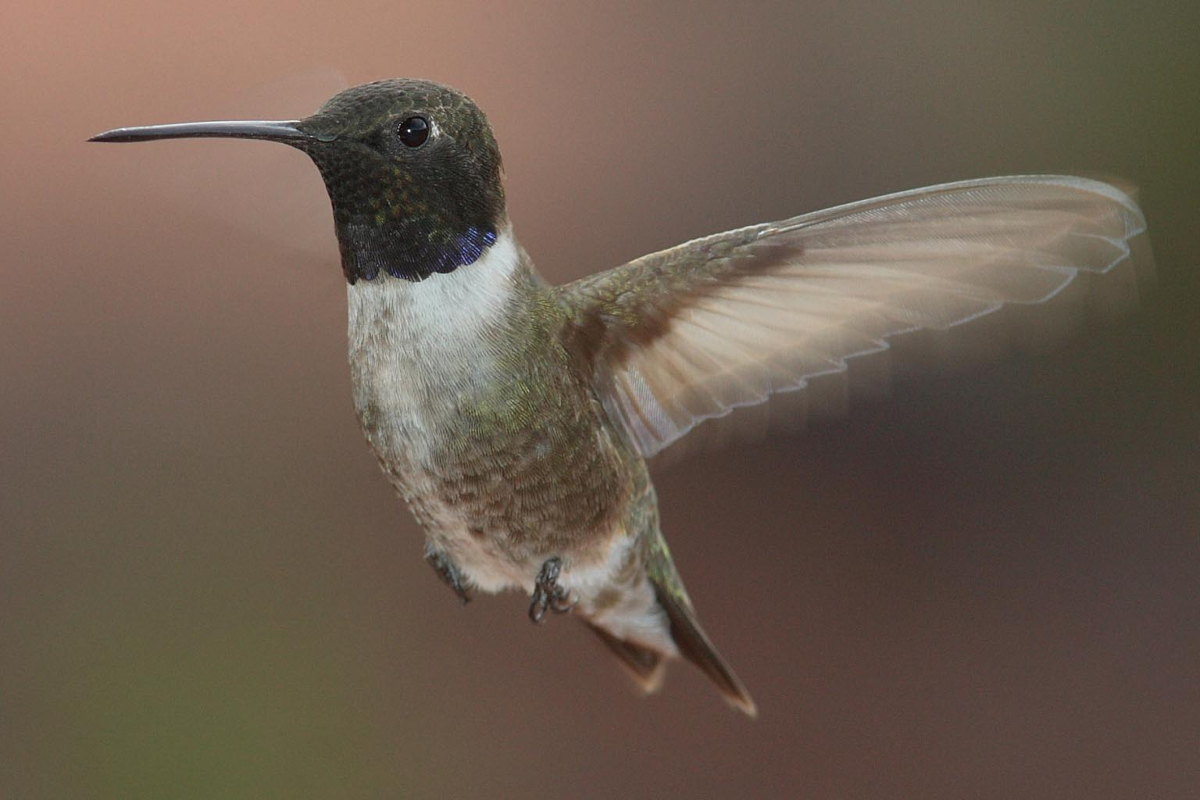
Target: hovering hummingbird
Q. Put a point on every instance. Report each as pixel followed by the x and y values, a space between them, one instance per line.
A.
pixel 515 417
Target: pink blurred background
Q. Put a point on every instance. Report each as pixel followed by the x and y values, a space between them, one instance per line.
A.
pixel 986 586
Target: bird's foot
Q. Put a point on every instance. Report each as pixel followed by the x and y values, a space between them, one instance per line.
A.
pixel 447 570
pixel 548 595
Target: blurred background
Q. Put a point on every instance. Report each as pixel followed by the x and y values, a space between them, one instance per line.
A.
pixel 986 586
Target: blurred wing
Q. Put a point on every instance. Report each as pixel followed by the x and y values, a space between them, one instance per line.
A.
pixel 688 334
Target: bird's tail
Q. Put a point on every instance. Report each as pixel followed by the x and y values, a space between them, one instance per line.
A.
pixel 646 664
pixel 696 647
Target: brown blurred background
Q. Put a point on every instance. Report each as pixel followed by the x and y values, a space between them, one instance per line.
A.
pixel 986 586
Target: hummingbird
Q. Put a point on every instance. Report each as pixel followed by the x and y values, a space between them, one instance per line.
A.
pixel 515 418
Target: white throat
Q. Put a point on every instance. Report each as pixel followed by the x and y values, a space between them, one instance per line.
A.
pixel 442 313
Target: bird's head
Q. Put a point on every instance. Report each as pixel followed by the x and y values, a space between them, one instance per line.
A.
pixel 412 170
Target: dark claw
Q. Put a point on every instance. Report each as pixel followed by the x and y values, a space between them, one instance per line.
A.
pixel 447 571
pixel 548 595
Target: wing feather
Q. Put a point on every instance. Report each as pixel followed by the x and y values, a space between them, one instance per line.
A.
pixel 690 333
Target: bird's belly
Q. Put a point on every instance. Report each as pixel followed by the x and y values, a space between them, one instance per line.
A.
pixel 482 423
pixel 487 561
pixel 498 487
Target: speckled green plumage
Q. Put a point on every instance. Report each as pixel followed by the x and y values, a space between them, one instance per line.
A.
pixel 525 456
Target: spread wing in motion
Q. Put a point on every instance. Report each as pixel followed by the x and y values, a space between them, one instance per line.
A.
pixel 690 333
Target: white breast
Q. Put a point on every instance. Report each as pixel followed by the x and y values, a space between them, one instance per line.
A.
pixel 416 345
pixel 416 349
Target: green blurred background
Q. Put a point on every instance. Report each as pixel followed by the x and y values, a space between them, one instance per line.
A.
pixel 986 586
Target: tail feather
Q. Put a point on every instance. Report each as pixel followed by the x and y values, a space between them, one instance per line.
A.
pixel 645 665
pixel 697 648
pixel 652 621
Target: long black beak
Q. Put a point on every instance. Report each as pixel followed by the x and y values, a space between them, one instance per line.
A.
pixel 285 132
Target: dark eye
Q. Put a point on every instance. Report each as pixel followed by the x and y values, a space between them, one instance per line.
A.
pixel 413 131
